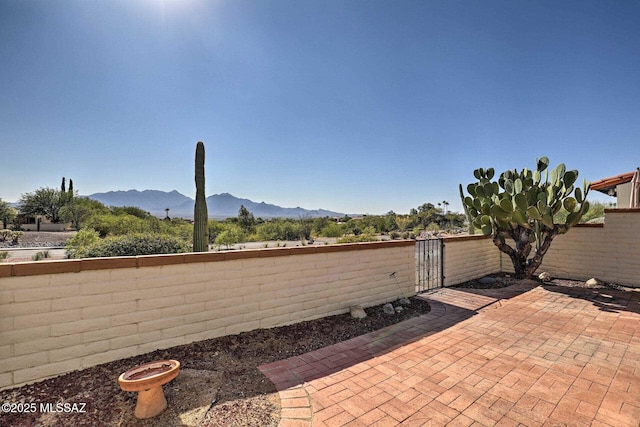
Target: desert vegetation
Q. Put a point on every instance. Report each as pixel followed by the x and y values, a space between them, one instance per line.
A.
pixel 129 230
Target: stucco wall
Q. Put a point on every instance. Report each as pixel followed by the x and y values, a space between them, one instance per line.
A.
pixel 469 257
pixel 60 316
pixel 609 252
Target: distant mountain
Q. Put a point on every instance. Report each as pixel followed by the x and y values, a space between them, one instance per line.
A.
pixel 153 201
pixel 220 205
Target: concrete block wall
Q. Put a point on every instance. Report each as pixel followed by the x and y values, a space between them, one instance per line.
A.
pixel 469 257
pixel 60 316
pixel 609 251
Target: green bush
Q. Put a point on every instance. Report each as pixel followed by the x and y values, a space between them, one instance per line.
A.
pixel 231 235
pixel 332 230
pixel 112 225
pixel 357 239
pixel 40 255
pixel 215 228
pixel 281 230
pixel 81 241
pixel 132 245
pixel 4 255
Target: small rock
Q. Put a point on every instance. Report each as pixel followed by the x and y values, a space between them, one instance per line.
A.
pixel 358 312
pixel 399 309
pixel 544 276
pixel 593 282
pixel 404 301
pixel 388 308
pixel 487 280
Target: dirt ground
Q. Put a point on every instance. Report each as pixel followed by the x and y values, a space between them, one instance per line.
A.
pixel 219 384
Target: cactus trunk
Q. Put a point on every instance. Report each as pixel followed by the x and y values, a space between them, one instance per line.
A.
pixel 200 214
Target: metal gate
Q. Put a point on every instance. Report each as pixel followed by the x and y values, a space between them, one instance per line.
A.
pixel 429 264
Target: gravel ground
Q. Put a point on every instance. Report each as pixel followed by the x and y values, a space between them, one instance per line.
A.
pixel 40 239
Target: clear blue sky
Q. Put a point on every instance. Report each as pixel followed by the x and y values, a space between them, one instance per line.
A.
pixel 351 105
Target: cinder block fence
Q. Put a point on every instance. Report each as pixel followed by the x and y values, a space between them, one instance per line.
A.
pixel 609 252
pixel 60 316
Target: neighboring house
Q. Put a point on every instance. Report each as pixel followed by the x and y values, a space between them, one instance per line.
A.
pixel 40 223
pixel 618 186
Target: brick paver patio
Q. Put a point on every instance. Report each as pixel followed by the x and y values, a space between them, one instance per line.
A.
pixel 521 355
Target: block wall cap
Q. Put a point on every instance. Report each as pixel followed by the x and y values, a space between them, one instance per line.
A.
pixel 34 268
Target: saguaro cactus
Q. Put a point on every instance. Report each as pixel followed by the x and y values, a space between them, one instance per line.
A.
pixel 200 214
pixel 520 208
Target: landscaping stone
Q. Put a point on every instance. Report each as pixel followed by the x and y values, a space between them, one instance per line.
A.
pixel 388 308
pixel 404 301
pixel 399 309
pixel 487 280
pixel 544 276
pixel 593 282
pixel 358 312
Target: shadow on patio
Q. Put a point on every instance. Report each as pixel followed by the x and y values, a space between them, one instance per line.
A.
pixel 521 354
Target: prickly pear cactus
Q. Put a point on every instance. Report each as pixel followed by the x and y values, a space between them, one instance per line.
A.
pixel 518 209
pixel 200 214
pixel 472 229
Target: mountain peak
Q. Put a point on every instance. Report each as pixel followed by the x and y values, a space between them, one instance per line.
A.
pixel 220 206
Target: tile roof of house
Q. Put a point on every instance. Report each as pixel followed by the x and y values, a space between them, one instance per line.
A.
pixel 606 184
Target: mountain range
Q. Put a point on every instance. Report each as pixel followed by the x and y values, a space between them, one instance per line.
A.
pixel 220 206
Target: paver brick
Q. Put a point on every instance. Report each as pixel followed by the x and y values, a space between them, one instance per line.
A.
pixel 536 358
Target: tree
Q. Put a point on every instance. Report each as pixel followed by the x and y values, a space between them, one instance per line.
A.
pixel 66 196
pixel 80 209
pixel 43 201
pixel 246 220
pixel 403 222
pixel 7 213
pixel 229 236
pixel 518 210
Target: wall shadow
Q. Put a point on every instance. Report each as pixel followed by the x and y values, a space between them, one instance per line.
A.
pixel 604 298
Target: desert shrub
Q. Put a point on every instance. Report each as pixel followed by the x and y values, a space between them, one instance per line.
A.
pixel 357 239
pixel 132 245
pixel 178 228
pixel 40 255
pixel 130 210
pixel 4 255
pixel 395 235
pixel 81 241
pixel 11 235
pixel 332 230
pixel 4 235
pixel 432 227
pixel 215 228
pixel 112 225
pixel 280 230
pixel 319 223
pixel 231 235
pixel 367 235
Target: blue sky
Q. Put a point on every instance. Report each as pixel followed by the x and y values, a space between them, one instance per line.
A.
pixel 355 106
